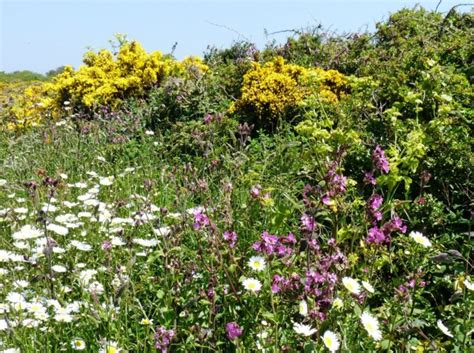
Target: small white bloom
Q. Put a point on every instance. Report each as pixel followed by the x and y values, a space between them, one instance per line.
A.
pixel 149 133
pixel 469 285
pixel 20 210
pixel 27 232
pixel 368 287
pixel 81 246
pixel 371 325
pixel 303 308
pixel 252 284
pixel 420 239
pixel 257 263
pixel 331 341
pixel 55 228
pixel 107 181
pixel 145 242
pixel 443 328
pixel 58 268
pixel 110 347
pixel 78 344
pixel 146 322
pixel 304 330
pixel 3 182
pixel 352 285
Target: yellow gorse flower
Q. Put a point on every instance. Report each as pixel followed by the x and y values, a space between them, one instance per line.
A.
pixel 104 79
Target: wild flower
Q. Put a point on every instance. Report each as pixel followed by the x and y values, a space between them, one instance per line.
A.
pixel 78 344
pixel 380 161
pixel 468 284
pixel 110 347
pixel 257 263
pixel 337 303
pixel 146 322
pixel 369 178
pixel 351 285
pixel 374 204
pixel 252 284
pixel 200 220
pixel 281 284
pixel 304 330
pixel 303 308
pixel 27 232
pixel 371 325
pixel 231 238
pixel 233 330
pixel 331 341
pixel 308 223
pixel 419 238
pixel 443 328
pixel 163 338
pixel 368 287
pixel 271 244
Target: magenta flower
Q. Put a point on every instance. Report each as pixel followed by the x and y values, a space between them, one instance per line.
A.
pixel 163 338
pixel 374 204
pixel 231 238
pixel 309 224
pixel 369 178
pixel 200 220
pixel 379 160
pixel 233 330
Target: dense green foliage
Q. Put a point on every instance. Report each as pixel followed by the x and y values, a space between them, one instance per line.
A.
pixel 346 209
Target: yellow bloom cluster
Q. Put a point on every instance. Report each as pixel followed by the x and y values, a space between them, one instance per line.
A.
pixel 104 79
pixel 275 87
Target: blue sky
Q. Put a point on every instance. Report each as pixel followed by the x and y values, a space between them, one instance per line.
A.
pixel 42 35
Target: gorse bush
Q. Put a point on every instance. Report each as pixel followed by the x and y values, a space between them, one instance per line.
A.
pixel 105 79
pixel 276 89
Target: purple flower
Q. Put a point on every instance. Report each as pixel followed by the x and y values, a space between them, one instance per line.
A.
pixel 233 330
pixel 309 224
pixel 374 204
pixel 394 225
pixel 200 220
pixel 369 178
pixel 207 119
pixel 255 191
pixel 231 238
pixel 379 160
pixel 376 236
pixel 163 338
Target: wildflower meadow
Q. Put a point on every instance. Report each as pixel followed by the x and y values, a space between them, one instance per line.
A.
pixel 310 196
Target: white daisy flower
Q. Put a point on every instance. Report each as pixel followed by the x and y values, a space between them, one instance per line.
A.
pixel 78 344
pixel 351 284
pixel 303 308
pixel 469 285
pixel 368 287
pixel 331 341
pixel 27 232
pixel 55 228
pixel 443 328
pixel 257 263
pixel 252 284
pixel 371 325
pixel 305 330
pixel 420 239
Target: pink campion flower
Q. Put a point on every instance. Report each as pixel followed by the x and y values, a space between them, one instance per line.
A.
pixel 369 178
pixel 376 236
pixel 207 119
pixel 394 225
pixel 309 224
pixel 255 191
pixel 380 161
pixel 200 220
pixel 231 238
pixel 374 204
pixel 233 330
pixel 163 338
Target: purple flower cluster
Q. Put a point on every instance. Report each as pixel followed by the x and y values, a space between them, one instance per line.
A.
pixel 374 204
pixel 308 223
pixel 163 338
pixel 200 220
pixel 272 244
pixel 336 184
pixel 231 238
pixel 233 330
pixel 281 284
pixel 380 161
pixel 382 235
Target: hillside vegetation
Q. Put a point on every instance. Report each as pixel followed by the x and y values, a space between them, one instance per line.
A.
pixel 314 196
